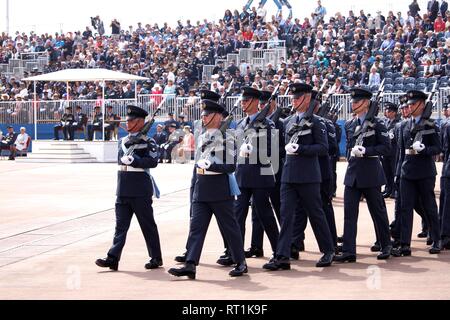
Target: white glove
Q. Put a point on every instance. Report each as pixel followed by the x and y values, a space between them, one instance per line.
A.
pixel 246 148
pixel 291 147
pixel 357 151
pixel 418 146
pixel 127 160
pixel 75 124
pixel 203 164
pixel 391 135
pixel 362 150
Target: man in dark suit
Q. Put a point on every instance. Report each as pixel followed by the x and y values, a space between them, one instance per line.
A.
pixel 160 138
pixel 80 121
pixel 135 188
pixel 367 140
pixel 66 122
pixel 306 140
pixel 418 144
pixel 7 141
pixel 97 123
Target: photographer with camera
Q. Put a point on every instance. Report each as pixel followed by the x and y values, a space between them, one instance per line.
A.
pixel 97 24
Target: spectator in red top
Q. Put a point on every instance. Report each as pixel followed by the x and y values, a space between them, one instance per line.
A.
pixel 439 24
pixel 248 34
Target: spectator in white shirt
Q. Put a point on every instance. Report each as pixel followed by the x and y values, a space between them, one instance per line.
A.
pixel 21 143
pixel 374 77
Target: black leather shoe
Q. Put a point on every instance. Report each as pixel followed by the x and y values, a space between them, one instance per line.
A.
pixel 295 255
pixel 226 254
pixel 340 239
pixel 187 271
pixel 338 249
pixel 404 251
pixel 385 253
pixel 110 263
pixel 445 243
pixel 181 258
pixel 396 244
pixel 429 241
pixel 435 248
pixel 326 260
pixel 239 270
pixel 282 263
pixel 376 247
pixel 423 234
pixel 345 257
pixel 226 261
pixel 254 252
pixel 386 195
pixel 154 263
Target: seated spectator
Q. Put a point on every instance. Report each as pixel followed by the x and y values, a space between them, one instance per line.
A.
pixel 160 138
pixel 374 77
pixel 186 151
pixel 428 69
pixel 65 125
pixel 438 68
pixel 170 147
pixel 21 143
pixel 111 122
pixel 168 123
pixel 7 142
pixel 97 123
pixel 80 122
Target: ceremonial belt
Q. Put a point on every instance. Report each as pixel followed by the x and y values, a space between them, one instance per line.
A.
pixel 363 156
pixel 130 169
pixel 205 172
pixel 291 154
pixel 411 152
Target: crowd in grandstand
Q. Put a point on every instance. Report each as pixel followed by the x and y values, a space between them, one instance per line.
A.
pixel 410 51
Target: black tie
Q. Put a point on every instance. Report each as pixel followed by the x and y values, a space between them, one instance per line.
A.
pixel 248 121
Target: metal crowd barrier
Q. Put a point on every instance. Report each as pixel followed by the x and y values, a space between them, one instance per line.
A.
pixel 21 112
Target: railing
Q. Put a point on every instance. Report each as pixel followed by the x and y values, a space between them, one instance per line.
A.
pixel 33 55
pixel 21 112
pixel 268 44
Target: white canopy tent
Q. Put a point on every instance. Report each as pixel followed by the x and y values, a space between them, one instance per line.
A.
pixel 89 75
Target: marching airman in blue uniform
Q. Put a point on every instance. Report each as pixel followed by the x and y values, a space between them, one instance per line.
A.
pixel 445 182
pixel 388 161
pixel 365 176
pixel 305 141
pixel 214 192
pixel 326 191
pixel 417 171
pixel 254 174
pixel 135 188
pixel 418 205
pixel 256 249
pixel 199 130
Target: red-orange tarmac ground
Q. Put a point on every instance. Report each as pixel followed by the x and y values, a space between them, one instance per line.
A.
pixel 56 220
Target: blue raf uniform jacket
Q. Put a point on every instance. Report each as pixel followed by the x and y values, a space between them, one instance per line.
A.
pixel 137 184
pixel 325 160
pixel 444 135
pixel 213 188
pixel 366 171
pixel 249 175
pixel 420 166
pixel 304 167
